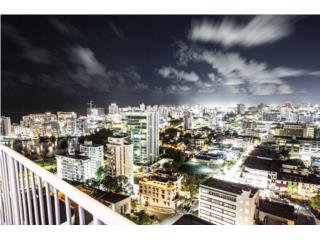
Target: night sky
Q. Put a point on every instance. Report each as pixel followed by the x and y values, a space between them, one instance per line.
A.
pixel 52 63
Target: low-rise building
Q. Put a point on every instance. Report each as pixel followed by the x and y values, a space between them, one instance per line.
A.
pixel 296 184
pixel 160 189
pixel 275 213
pixel 227 203
pixel 117 202
pixel 260 172
pixel 73 167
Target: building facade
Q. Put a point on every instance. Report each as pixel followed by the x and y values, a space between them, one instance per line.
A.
pixel 119 156
pixel 96 155
pixel 73 167
pixel 143 129
pixel 68 123
pixel 5 126
pixel 160 190
pixel 226 203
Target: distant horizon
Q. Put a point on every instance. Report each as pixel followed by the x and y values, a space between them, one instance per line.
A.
pixel 17 116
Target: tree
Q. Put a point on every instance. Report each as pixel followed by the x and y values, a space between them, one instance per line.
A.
pixel 315 202
pixel 100 174
pixel 143 218
pixel 118 184
pixel 124 186
pixel 178 159
pixel 284 154
pixel 191 182
pixel 100 137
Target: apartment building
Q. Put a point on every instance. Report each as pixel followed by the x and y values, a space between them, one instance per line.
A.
pixel 160 189
pixel 227 203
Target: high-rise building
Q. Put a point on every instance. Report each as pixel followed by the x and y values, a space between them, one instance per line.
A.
pixel 95 118
pixel 120 157
pixel 187 120
pixel 143 130
pixel 240 108
pixel 5 126
pixel 227 203
pixel 81 126
pixel 68 123
pixel 113 108
pixel 41 124
pixel 142 107
pixel 95 154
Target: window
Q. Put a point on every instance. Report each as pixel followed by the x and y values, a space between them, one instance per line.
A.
pixel 219 195
pixel 221 218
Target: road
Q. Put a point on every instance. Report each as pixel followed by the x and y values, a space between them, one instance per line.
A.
pixel 233 174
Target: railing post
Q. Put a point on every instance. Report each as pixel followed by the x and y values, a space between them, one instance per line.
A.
pixel 5 188
pixel 68 210
pixel 14 192
pixel 56 206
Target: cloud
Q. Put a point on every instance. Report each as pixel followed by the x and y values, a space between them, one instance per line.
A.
pixel 261 29
pixel 64 27
pixel 86 59
pixel 30 52
pixel 178 89
pixel 141 85
pixel 116 30
pixel 88 72
pixel 244 75
pixel 170 72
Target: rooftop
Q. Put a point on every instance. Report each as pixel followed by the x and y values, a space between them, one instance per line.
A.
pixel 263 164
pixel 189 219
pixel 278 209
pixel 97 194
pixel 76 156
pixel 164 176
pixel 110 196
pixel 231 187
pixel 265 151
pixel 293 162
pixel 311 178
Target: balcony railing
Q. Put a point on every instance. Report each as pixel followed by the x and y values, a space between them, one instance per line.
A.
pixel 30 195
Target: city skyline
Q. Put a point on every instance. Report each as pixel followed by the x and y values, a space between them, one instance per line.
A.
pixel 54 63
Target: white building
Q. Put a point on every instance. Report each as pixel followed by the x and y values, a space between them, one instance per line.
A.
pixel 113 108
pixel 227 203
pixel 261 173
pixel 5 126
pixel 120 157
pixel 73 167
pixel 96 156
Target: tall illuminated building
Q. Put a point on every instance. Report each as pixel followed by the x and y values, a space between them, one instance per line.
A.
pixel 5 126
pixel 68 123
pixel 143 129
pixel 120 157
pixel 113 108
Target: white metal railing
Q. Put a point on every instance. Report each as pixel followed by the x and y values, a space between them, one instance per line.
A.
pixel 31 195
